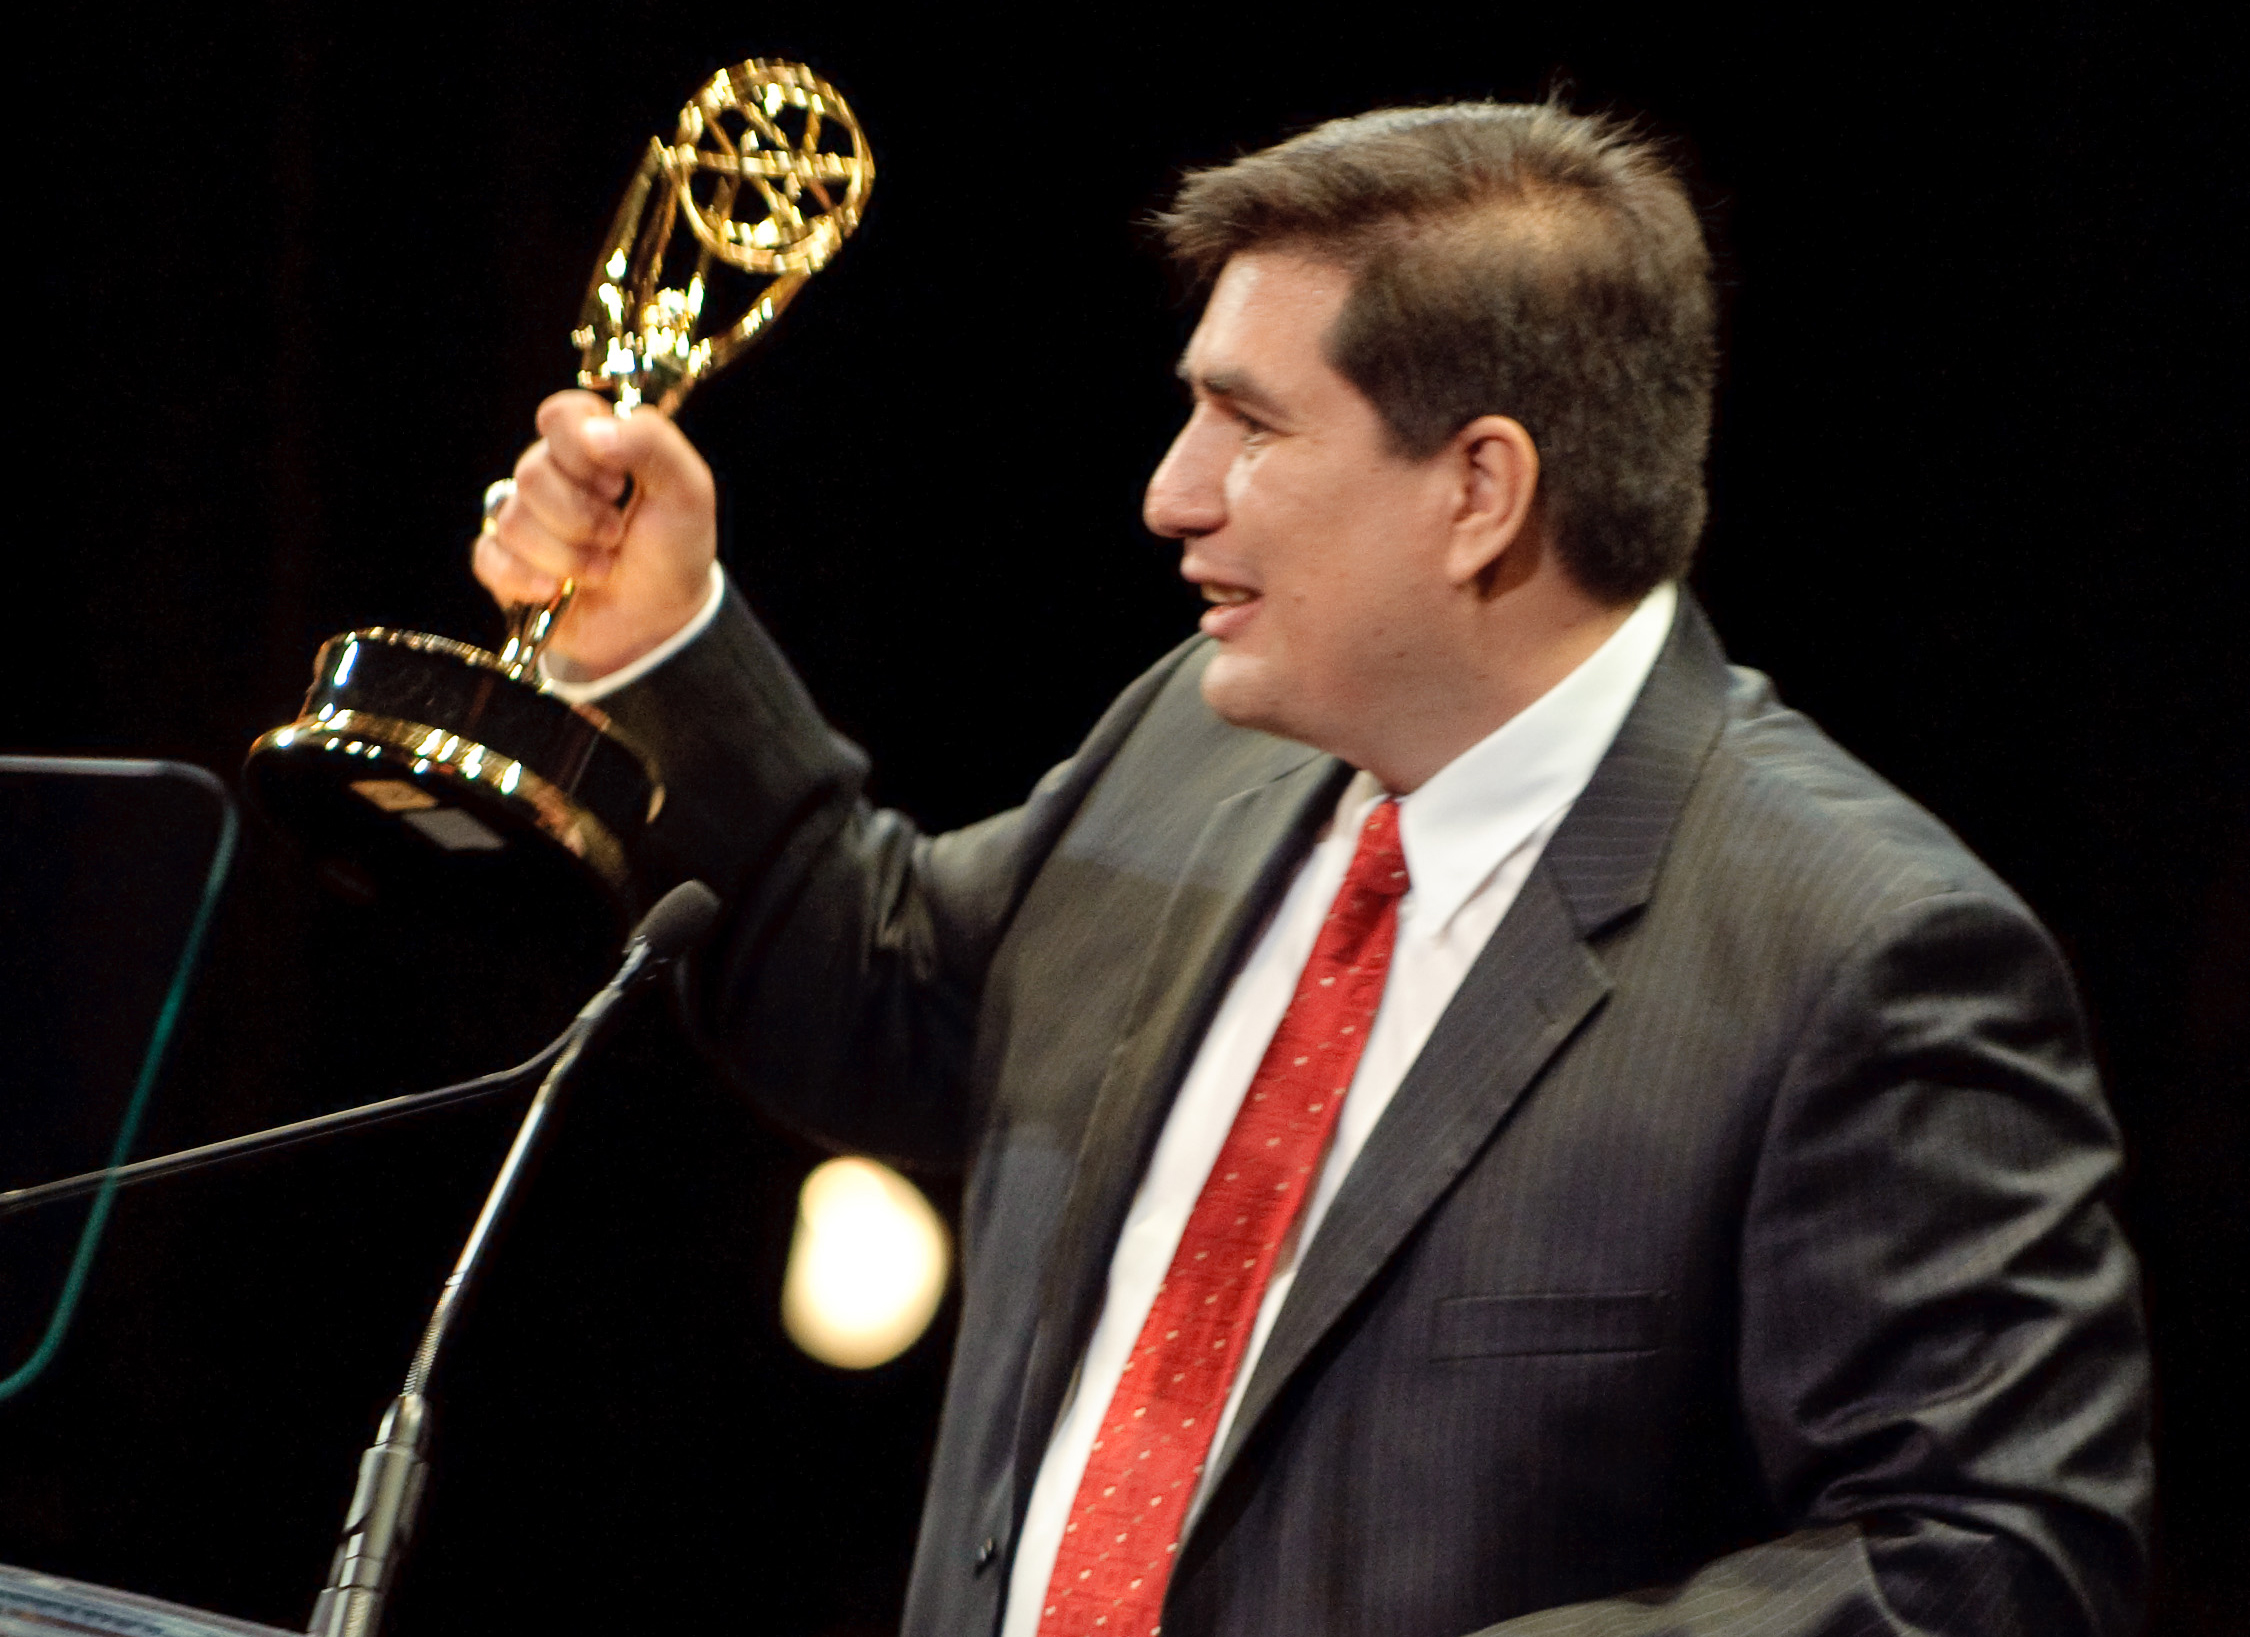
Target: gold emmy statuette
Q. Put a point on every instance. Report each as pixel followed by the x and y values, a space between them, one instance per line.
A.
pixel 413 745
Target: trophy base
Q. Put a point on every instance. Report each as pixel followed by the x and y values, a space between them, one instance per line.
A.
pixel 413 751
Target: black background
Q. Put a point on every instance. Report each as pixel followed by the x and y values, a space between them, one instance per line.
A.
pixel 288 282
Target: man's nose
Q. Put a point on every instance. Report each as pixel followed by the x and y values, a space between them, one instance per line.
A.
pixel 1187 491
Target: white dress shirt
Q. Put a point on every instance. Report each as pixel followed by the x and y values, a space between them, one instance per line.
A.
pixel 585 690
pixel 1471 836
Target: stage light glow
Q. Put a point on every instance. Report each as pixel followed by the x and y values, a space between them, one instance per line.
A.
pixel 867 1267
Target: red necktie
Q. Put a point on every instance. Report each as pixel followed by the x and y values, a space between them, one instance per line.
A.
pixel 1125 1523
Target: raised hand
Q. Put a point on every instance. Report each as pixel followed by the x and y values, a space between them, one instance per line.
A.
pixel 643 569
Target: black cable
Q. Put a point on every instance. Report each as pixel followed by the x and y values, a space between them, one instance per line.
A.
pixel 280 1136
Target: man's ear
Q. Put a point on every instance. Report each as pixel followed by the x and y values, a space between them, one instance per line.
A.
pixel 1498 469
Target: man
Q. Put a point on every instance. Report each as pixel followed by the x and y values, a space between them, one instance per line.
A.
pixel 1478 1116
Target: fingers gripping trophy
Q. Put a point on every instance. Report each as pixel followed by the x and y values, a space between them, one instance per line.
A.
pixel 409 746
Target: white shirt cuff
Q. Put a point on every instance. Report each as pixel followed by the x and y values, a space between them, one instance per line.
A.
pixel 585 690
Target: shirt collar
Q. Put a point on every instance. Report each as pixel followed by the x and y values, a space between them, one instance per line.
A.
pixel 1496 795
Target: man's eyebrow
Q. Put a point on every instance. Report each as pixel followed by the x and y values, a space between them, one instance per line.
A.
pixel 1231 384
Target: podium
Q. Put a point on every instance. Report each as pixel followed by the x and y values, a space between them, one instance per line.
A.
pixel 107 885
pixel 46 1605
pixel 109 875
pixel 50 805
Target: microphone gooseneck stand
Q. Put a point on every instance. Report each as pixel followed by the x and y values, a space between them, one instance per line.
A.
pixel 380 1520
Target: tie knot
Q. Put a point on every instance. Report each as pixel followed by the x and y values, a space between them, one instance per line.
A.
pixel 1379 865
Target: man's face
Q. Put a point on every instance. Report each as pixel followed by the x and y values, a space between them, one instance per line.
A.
pixel 1320 552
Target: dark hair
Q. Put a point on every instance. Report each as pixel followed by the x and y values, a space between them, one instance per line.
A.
pixel 1511 259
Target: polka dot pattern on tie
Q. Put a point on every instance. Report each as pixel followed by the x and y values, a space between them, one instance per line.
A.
pixel 1131 1506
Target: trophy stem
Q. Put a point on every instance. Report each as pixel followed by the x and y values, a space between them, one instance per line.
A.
pixel 529 628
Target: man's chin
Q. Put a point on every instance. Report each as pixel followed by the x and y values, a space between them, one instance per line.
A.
pixel 1241 692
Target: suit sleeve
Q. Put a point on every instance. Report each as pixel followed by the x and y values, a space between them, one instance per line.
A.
pixel 1942 1367
pixel 842 986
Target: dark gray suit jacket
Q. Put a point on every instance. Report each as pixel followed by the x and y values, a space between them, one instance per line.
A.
pixel 1734 1258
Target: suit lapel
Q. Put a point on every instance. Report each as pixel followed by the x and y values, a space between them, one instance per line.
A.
pixel 1536 981
pixel 1532 986
pixel 1239 864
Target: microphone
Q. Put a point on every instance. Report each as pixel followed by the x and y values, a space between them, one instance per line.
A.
pixel 676 922
pixel 380 1519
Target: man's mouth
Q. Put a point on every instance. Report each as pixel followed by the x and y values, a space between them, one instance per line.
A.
pixel 1231 611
